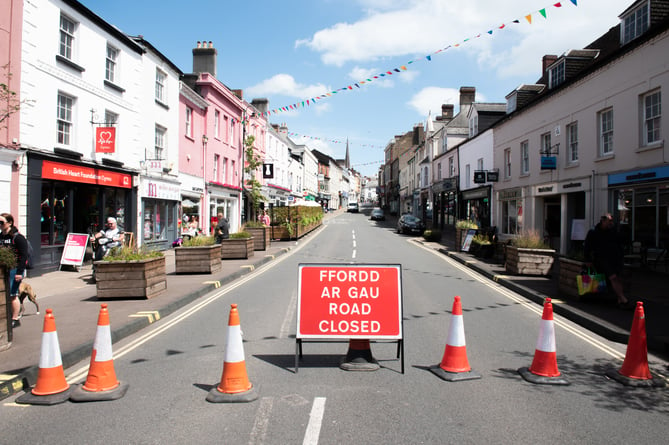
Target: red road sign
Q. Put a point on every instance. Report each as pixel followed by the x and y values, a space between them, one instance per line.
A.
pixel 349 301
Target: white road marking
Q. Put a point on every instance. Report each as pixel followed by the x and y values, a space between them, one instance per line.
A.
pixel 315 422
pixel 259 430
pixel 288 318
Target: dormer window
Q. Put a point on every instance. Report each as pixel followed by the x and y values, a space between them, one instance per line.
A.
pixel 635 23
pixel 556 74
pixel 511 101
pixel 474 125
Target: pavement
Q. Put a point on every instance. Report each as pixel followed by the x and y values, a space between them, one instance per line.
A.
pixel 72 296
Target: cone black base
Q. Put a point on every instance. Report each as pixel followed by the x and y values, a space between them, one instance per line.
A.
pixel 216 396
pixel 639 383
pixel 79 394
pixel 540 379
pixel 359 364
pixel 454 376
pixel 52 399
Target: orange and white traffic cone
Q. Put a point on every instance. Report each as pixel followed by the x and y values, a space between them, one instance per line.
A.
pixel 51 387
pixel 235 385
pixel 544 368
pixel 359 357
pixel 101 382
pixel 635 370
pixel 454 365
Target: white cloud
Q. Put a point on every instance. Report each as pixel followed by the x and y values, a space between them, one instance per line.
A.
pixel 285 85
pixel 431 99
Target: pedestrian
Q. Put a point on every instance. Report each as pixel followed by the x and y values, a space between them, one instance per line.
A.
pixel 604 249
pixel 265 218
pixel 12 238
pixel 222 229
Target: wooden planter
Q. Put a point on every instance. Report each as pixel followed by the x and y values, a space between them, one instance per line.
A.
pixel 281 232
pixel 459 236
pixel 303 230
pixel 262 237
pixel 198 259
pixel 5 313
pixel 569 270
pixel 131 279
pixel 236 248
pixel 522 261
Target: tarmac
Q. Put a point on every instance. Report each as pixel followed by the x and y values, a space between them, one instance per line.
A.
pixel 71 294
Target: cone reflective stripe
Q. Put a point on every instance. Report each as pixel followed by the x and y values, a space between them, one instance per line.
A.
pixel 454 365
pixel 51 387
pixel 635 370
pixel 234 385
pixel 50 376
pixel 101 373
pixel 544 368
pixel 455 353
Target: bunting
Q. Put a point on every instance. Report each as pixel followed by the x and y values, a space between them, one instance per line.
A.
pixel 293 134
pixel 401 68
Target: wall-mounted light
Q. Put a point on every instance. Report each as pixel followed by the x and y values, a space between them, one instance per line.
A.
pixel 188 158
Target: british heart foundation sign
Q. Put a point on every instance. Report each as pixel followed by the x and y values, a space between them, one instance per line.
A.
pixel 349 301
pixel 105 139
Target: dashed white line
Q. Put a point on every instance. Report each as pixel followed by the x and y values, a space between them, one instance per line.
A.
pixel 315 422
pixel 259 430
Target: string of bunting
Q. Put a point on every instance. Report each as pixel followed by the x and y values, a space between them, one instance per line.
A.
pixel 334 141
pixel 401 68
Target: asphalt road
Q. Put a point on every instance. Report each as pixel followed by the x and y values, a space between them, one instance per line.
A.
pixel 171 366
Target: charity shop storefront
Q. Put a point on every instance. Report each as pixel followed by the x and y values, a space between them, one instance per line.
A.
pixel 66 195
pixel 224 199
pixel 193 218
pixel 160 201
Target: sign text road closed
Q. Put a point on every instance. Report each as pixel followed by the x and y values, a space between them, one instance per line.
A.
pixel 349 301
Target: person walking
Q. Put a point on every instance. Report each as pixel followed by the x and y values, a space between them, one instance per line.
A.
pixel 604 249
pixel 265 218
pixel 222 228
pixel 11 237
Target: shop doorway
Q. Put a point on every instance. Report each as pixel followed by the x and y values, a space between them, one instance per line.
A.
pixel 552 214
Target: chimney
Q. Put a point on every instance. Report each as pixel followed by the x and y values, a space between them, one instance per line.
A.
pixel 418 136
pixel 261 104
pixel 547 61
pixel 467 96
pixel 204 58
pixel 446 113
pixel 239 93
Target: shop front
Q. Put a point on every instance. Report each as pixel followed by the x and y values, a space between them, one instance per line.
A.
pixel 641 205
pixel 159 212
pixel 510 211
pixel 224 200
pixel 445 195
pixel 193 219
pixel 476 204
pixel 69 196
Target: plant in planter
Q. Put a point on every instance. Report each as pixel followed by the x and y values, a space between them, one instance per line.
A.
pixel 129 272
pixel 482 246
pixel 261 234
pixel 198 255
pixel 528 254
pixel 432 235
pixel 461 228
pixel 239 245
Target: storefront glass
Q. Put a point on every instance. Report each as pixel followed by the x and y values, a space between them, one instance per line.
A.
pixel 643 215
pixel 512 216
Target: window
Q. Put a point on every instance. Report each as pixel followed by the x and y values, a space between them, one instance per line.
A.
pixel 224 171
pixel 546 144
pixel 451 167
pixel 439 171
pixel 444 143
pixel 110 66
pixel 231 133
pixel 635 23
pixel 232 171
pixel 111 118
pixel 474 125
pixel 652 114
pixel 572 142
pixel 512 211
pixel 64 118
pixel 479 164
pixel 189 122
pixel 217 124
pixel 605 132
pixel 217 160
pixel 161 142
pixel 467 176
pixel 507 163
pixel 67 32
pixel 161 85
pixel 524 158
pixel 556 75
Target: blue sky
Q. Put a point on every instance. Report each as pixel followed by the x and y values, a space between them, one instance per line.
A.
pixel 295 50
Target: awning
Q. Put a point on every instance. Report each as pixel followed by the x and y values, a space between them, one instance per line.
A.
pixel 188 203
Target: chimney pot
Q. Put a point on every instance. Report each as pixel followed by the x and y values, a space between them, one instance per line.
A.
pixel 198 43
pixel 211 45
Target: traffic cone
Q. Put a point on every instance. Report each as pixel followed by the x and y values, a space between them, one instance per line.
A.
pixel 635 371
pixel 101 383
pixel 51 387
pixel 359 357
pixel 544 367
pixel 235 385
pixel 454 365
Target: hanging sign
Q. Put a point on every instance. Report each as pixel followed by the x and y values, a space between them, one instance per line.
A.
pixel 105 140
pixel 548 162
pixel 268 171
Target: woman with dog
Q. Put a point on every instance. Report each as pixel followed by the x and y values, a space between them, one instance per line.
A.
pixel 12 238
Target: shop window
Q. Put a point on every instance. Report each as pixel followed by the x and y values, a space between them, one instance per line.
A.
pixel 512 216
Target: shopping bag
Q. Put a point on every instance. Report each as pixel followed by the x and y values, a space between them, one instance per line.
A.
pixel 590 282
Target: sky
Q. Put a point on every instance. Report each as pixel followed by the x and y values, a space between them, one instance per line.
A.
pixel 298 50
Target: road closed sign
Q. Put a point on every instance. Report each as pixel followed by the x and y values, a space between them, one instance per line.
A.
pixel 349 301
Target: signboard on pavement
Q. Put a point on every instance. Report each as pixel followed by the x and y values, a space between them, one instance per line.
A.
pixel 74 249
pixel 362 301
pixel 467 242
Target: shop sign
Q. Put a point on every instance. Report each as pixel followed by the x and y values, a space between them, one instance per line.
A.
pixel 87 175
pixel 479 177
pixel 492 176
pixel 268 171
pixel 351 301
pixel 154 165
pixel 105 140
pixel 161 190
pixel 630 177
pixel 506 195
pixel 546 189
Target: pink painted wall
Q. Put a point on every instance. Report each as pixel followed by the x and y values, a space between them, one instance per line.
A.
pixel 190 146
pixel 11 18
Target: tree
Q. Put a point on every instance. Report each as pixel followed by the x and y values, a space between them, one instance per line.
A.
pixel 252 186
pixel 9 101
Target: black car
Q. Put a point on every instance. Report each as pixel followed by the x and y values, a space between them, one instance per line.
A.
pixel 377 215
pixel 410 224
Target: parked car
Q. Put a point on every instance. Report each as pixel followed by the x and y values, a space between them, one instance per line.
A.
pixel 410 224
pixel 353 207
pixel 377 214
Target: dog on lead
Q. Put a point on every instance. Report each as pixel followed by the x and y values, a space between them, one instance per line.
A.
pixel 26 291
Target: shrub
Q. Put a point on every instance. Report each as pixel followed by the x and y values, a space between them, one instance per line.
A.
pixel 126 253
pixel 7 258
pixel 481 239
pixel 197 241
pixel 254 225
pixel 465 224
pixel 529 239
pixel 432 235
pixel 240 235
